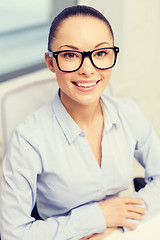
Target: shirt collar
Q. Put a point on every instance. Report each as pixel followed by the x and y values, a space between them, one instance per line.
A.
pixel 69 127
pixel 110 113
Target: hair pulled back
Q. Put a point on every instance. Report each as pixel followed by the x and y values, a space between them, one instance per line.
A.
pixel 78 10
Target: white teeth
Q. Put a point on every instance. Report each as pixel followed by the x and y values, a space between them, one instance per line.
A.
pixel 86 84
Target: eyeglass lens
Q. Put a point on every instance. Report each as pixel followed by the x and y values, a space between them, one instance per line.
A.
pixel 71 60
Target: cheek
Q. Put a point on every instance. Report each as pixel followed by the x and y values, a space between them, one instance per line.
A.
pixel 59 74
pixel 107 75
pixel 62 78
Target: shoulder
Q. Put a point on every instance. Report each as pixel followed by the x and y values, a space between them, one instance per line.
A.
pixel 36 122
pixel 121 105
pixel 128 114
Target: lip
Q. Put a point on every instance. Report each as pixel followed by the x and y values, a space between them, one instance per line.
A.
pixel 87 81
pixel 86 88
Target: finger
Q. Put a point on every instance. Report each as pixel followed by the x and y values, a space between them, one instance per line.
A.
pixel 89 237
pixel 129 225
pixel 135 216
pixel 92 236
pixel 133 208
pixel 133 201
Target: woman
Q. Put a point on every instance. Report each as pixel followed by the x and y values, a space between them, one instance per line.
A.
pixel 75 154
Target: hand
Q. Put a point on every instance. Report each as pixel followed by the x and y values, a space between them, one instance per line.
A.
pixel 117 210
pixel 100 236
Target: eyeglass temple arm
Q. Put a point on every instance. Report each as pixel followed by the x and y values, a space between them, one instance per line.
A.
pixel 51 54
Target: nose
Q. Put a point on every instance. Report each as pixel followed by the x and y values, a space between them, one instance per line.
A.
pixel 87 67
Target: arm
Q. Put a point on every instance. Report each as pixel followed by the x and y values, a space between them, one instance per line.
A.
pixel 147 153
pixel 80 222
pixel 18 195
pixel 100 236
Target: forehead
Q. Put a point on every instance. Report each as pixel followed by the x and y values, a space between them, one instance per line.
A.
pixel 82 31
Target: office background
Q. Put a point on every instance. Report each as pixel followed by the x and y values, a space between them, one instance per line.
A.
pixel 24 27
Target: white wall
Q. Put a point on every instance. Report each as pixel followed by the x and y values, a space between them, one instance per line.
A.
pixel 142 55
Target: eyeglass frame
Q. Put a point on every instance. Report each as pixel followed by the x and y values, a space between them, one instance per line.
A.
pixel 84 54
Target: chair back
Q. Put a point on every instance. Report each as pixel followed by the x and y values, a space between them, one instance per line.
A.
pixel 16 104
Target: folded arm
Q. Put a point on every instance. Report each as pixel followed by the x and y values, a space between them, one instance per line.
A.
pixel 17 223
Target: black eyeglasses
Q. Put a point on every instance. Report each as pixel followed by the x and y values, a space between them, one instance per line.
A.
pixel 71 61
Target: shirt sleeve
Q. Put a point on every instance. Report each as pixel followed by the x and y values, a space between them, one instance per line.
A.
pixel 18 196
pixel 147 153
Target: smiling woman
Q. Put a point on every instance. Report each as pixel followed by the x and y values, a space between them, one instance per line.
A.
pixel 75 155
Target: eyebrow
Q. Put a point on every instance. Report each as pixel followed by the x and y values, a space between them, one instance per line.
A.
pixel 69 46
pixel 98 45
pixel 76 48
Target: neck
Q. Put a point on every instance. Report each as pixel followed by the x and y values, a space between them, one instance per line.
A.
pixel 83 115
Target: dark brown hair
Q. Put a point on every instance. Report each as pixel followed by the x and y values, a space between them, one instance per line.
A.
pixel 78 10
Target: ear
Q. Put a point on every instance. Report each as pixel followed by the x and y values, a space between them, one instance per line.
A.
pixel 49 62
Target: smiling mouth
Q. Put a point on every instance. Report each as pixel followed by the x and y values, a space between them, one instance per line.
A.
pixel 86 84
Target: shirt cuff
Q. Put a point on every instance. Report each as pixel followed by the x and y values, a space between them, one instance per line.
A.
pixel 91 219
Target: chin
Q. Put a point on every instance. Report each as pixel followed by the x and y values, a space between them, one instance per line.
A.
pixel 80 99
pixel 87 100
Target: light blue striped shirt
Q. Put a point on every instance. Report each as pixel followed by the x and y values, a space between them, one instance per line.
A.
pixel 49 161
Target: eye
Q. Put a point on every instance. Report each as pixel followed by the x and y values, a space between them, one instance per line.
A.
pixel 69 55
pixel 101 53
